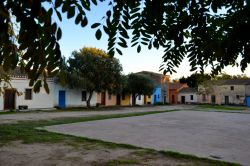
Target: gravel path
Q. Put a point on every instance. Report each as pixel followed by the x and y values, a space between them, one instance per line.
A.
pixel 40 115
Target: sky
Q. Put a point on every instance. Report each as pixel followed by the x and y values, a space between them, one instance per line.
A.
pixel 75 37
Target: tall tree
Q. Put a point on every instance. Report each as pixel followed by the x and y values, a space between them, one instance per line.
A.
pixel 94 70
pixel 208 32
pixel 138 84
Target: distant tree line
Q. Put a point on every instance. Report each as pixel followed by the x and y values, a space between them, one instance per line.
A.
pixel 197 78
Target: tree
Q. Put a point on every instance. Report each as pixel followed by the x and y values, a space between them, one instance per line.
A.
pixel 208 32
pixel 225 76
pixel 138 84
pixel 92 69
pixel 195 79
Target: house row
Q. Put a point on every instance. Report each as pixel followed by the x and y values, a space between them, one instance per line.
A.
pixel 62 97
pixel 235 92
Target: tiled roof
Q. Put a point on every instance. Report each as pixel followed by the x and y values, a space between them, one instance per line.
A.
pixel 236 82
pixel 156 77
pixel 229 82
pixel 15 73
pixel 176 85
pixel 188 90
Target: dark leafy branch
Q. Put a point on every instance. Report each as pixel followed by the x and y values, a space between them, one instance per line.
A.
pixel 208 32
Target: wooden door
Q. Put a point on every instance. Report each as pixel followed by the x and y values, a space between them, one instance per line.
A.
pixel 103 98
pixel 118 99
pixel 173 99
pixel 9 99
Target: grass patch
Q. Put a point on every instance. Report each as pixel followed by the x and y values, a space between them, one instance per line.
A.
pixel 121 161
pixel 222 107
pixel 69 109
pixel 26 132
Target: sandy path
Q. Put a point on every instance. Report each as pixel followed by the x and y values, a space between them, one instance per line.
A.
pixel 14 118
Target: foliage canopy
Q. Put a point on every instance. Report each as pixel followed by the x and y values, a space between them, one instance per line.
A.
pixel 138 84
pixel 208 32
pixel 92 69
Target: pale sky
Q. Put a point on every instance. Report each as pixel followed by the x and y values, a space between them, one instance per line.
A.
pixel 75 37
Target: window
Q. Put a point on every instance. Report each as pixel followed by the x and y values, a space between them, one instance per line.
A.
pixel 84 95
pixel 191 97
pixel 158 96
pixel 123 96
pixel 139 97
pixel 110 96
pixel 149 96
pixel 232 87
pixel 28 94
pixel 237 96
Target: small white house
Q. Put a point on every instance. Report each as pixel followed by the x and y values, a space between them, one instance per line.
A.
pixel 68 97
pixel 25 96
pixel 187 96
pixel 59 96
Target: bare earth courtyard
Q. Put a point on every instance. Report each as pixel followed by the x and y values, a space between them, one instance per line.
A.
pixel 63 137
pixel 218 135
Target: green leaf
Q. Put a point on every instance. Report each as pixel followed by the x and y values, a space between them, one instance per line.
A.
pixel 94 2
pixel 46 86
pixel 59 15
pixel 139 49
pixel 58 3
pixel 71 12
pixel 119 51
pixel 95 25
pixel 124 45
pixel 84 22
pixel 37 86
pixel 98 34
pixel 59 34
pixel 86 4
pixel 78 19
pixel 108 13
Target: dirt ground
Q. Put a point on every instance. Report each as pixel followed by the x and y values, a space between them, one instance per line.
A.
pixel 60 154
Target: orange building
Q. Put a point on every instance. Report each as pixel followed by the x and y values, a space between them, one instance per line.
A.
pixel 104 98
pixel 174 89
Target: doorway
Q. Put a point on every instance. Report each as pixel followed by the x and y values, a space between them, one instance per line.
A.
pixel 118 99
pixel 213 99
pixel 173 99
pixel 62 99
pixel 103 98
pixel 226 100
pixel 248 101
pixel 9 99
pixel 183 100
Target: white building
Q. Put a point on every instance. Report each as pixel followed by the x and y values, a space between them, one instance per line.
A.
pixel 187 96
pixel 21 95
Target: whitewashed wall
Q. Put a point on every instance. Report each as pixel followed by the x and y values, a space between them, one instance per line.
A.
pixel 138 102
pixel 73 97
pixel 42 100
pixel 39 100
pixel 188 97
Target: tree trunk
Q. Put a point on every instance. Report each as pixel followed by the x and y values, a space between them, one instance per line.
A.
pixel 133 99
pixel 89 98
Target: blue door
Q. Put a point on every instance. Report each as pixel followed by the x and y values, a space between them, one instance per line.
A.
pixel 248 101
pixel 62 99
